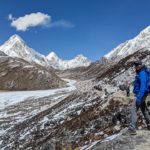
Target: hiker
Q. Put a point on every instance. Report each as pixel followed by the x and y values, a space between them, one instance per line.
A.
pixel 140 85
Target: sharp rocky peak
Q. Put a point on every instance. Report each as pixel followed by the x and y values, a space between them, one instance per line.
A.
pixel 80 56
pixel 16 38
pixel 52 54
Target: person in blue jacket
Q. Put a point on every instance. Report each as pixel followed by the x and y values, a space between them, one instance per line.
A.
pixel 140 85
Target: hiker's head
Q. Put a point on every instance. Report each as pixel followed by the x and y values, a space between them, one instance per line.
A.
pixel 138 65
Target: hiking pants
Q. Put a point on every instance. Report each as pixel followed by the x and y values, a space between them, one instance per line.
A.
pixel 134 109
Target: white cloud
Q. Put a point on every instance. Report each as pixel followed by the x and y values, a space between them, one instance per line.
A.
pixel 37 19
pixel 29 20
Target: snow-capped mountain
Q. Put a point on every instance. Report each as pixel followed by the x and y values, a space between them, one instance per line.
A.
pixel 16 47
pixel 58 63
pixel 142 40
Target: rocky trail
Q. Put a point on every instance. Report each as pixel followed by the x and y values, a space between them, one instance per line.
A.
pixel 141 141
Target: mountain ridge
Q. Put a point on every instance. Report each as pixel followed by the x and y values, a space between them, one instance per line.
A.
pixel 77 61
pixel 17 47
pixel 142 40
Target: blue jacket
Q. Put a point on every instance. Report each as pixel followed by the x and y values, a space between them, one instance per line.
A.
pixel 140 84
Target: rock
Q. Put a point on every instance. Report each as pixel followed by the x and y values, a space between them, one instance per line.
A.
pixel 140 127
pixel 105 135
pixel 100 133
pixel 120 97
pixel 98 87
pixel 117 128
pixel 47 124
pixel 123 87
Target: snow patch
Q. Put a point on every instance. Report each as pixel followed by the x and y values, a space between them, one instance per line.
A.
pixel 13 97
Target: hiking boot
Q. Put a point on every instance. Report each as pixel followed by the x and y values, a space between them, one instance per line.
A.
pixel 148 127
pixel 130 132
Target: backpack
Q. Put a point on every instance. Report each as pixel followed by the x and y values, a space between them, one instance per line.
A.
pixel 148 81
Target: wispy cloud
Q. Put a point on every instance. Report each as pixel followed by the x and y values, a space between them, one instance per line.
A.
pixel 10 17
pixel 37 19
pixel 62 23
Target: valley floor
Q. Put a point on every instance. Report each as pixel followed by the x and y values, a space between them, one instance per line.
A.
pixel 18 106
pixel 13 97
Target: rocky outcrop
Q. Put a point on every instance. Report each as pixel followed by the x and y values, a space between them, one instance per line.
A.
pixel 17 74
pixel 122 142
pixel 2 53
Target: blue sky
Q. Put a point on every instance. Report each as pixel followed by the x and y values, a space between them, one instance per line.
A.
pixel 71 27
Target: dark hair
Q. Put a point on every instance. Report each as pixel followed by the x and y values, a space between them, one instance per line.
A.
pixel 137 63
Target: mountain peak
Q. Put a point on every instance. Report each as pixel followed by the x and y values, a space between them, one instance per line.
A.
pixel 15 37
pixel 80 56
pixel 53 56
pixel 58 63
pixel 16 47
